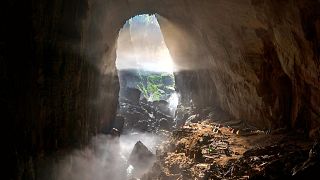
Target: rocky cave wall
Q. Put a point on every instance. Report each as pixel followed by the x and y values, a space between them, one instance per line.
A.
pixel 256 59
pixel 54 96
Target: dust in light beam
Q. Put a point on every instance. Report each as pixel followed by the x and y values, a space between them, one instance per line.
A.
pixel 141 45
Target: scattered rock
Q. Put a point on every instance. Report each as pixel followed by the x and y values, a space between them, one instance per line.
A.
pixel 211 151
pixel 164 124
pixel 311 167
pixel 144 117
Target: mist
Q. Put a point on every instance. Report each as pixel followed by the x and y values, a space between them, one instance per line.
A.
pixel 106 158
pixel 141 46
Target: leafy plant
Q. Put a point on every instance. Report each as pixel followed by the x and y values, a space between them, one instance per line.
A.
pixel 153 87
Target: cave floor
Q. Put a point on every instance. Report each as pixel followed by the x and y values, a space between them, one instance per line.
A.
pixel 207 150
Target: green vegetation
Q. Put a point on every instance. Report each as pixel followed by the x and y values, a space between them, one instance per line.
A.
pixel 156 86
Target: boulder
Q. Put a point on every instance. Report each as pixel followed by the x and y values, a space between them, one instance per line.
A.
pixel 141 156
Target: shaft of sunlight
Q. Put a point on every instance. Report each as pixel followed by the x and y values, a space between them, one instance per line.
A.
pixel 141 46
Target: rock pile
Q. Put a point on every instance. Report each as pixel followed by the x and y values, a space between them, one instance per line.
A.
pixel 144 117
pixel 212 151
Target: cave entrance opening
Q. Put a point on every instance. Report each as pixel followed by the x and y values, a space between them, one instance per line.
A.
pixel 147 97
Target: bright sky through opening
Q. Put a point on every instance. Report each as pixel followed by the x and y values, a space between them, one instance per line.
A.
pixel 141 46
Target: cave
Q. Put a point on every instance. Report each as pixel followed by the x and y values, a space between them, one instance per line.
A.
pixel 247 74
pixel 147 96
